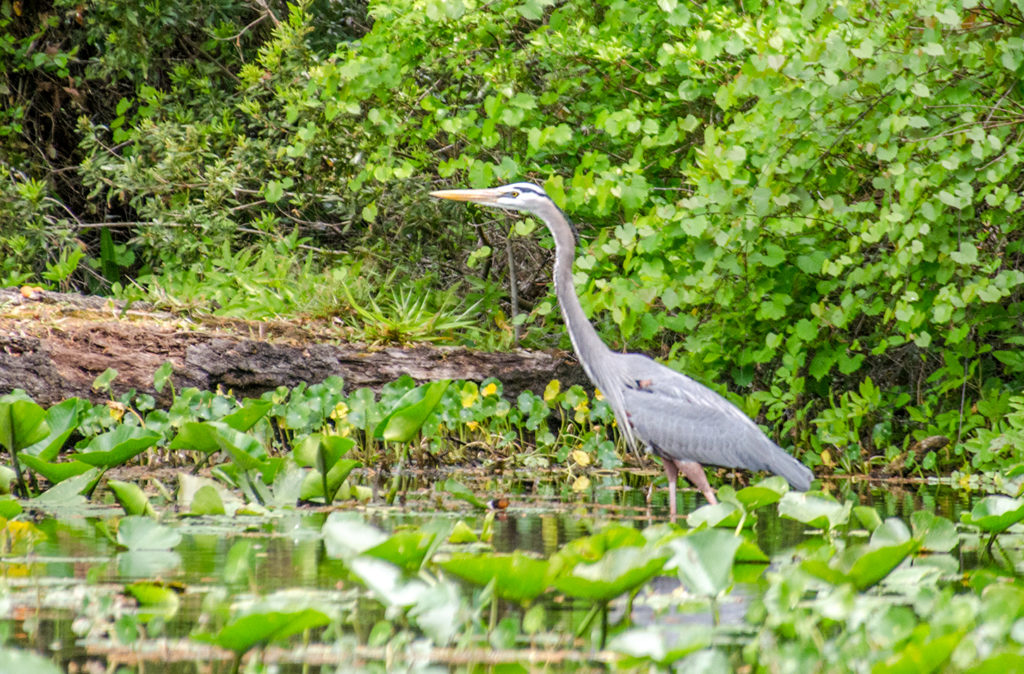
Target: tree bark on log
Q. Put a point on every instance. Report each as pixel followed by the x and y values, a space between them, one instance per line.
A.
pixel 54 345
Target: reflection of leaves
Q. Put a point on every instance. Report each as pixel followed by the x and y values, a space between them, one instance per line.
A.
pixel 346 535
pixel 143 533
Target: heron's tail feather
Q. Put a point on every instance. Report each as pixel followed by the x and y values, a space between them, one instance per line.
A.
pixel 795 473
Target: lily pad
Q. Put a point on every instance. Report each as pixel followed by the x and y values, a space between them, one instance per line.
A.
pixel 995 513
pixel 264 627
pixel 619 570
pixel 722 514
pixel 115 447
pixel 815 509
pixel 516 576
pixel 662 645
pixel 131 497
pixel 765 492
pixel 704 560
pixel 410 412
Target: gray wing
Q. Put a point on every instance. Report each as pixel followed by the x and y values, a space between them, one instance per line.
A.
pixel 682 419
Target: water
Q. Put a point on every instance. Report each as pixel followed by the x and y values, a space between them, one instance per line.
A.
pixel 64 593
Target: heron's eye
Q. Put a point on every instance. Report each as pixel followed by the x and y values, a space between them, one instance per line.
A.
pixel 513 194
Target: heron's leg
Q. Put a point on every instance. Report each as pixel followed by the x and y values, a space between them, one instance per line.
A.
pixel 671 474
pixel 694 472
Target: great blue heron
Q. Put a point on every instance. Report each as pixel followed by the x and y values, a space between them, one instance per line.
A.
pixel 681 421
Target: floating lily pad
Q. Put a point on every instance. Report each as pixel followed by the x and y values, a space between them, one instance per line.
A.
pixel 408 550
pixel 722 514
pixel 619 570
pixel 815 509
pixel 704 560
pixel 261 628
pixel 766 492
pixel 516 576
pixel 995 513
pixel 660 644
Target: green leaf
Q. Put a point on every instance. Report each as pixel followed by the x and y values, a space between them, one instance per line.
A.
pixel 704 560
pixel 619 570
pixel 995 513
pixel 102 382
pixel 162 376
pixel 207 501
pixel 244 633
pixel 246 417
pixel 54 473
pixel 461 491
pixel 461 533
pixel 62 420
pixel 22 423
pixel 412 409
pixel 273 191
pixel 132 498
pixel 815 509
pixel 409 550
pixel 516 576
pixel 115 447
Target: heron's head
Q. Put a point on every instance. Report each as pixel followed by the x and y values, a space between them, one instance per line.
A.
pixel 515 197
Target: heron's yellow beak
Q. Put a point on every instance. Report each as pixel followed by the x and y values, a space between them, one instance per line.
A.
pixel 476 196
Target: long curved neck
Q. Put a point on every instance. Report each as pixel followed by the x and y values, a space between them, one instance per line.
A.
pixel 585 341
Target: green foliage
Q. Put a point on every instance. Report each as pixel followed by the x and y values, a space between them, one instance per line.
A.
pixel 844 190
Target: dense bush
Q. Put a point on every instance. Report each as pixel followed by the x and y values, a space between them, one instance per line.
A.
pixel 820 204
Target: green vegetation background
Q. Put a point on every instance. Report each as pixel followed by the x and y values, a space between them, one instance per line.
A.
pixel 816 206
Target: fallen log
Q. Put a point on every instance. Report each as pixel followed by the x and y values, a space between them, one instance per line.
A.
pixel 54 345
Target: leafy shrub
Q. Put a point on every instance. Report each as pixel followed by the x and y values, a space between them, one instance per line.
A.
pixel 785 198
